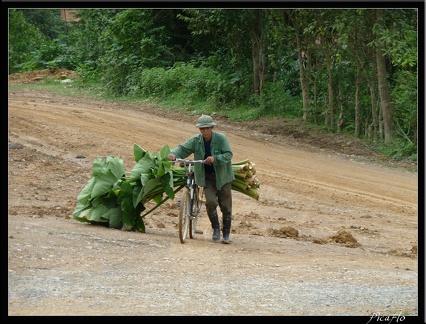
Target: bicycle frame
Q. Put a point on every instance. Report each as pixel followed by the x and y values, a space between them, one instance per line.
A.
pixel 190 204
pixel 190 182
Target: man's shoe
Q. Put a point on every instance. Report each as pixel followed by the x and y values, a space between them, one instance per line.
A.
pixel 226 228
pixel 225 239
pixel 216 234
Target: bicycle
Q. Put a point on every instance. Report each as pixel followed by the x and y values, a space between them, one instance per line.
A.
pixel 190 203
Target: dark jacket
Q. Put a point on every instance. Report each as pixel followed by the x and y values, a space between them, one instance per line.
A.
pixel 220 149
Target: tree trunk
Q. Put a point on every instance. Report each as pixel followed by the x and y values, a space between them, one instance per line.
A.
pixel 303 78
pixel 374 118
pixel 385 104
pixel 330 93
pixel 257 54
pixel 315 97
pixel 304 62
pixel 357 101
pixel 340 121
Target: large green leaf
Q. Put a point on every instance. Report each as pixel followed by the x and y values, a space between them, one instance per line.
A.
pixel 99 167
pixel 129 212
pixel 104 182
pixel 167 183
pixel 95 202
pixel 86 194
pixel 115 217
pixel 109 200
pixel 97 214
pixel 157 198
pixel 138 152
pixel 165 152
pixel 143 166
pixel 145 177
pixel 126 189
pixel 150 189
pixel 160 170
pixel 79 209
pixel 111 214
pixel 118 185
pixel 139 224
pixel 136 195
pixel 116 165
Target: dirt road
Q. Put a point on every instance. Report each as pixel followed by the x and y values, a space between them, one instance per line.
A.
pixel 332 233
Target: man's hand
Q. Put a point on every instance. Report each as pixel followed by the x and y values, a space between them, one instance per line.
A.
pixel 209 160
pixel 171 157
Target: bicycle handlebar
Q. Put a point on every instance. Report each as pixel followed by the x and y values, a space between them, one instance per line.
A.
pixel 189 161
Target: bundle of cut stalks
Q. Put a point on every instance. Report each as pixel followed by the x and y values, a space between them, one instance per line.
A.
pixel 246 180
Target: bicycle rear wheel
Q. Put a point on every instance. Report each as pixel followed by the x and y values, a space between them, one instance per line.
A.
pixel 196 207
pixel 184 217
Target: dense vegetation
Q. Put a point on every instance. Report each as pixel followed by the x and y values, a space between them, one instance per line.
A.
pixel 349 71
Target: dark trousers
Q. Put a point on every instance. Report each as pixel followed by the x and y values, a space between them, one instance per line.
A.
pixel 221 198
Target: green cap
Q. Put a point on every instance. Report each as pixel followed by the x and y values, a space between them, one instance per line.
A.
pixel 205 121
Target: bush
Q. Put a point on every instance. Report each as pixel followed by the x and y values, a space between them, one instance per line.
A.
pixel 275 100
pixel 399 149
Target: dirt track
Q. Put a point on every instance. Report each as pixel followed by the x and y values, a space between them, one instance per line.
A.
pixel 331 234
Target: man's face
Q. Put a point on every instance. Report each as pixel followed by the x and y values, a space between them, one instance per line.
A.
pixel 206 132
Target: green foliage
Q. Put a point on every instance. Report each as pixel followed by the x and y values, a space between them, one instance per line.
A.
pixel 404 97
pixel 87 43
pixel 136 40
pixel 51 54
pixel 180 101
pixel 36 42
pixel 245 112
pixel 201 60
pixel 112 198
pixel 275 100
pixel 87 73
pixel 399 37
pixel 24 40
pixel 47 21
pixel 398 149
pixel 186 80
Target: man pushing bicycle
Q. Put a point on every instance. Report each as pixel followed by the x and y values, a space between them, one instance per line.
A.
pixel 215 175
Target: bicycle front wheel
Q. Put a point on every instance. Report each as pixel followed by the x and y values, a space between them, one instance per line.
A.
pixel 184 217
pixel 196 207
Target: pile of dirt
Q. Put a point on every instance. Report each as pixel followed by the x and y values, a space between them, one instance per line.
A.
pixel 41 75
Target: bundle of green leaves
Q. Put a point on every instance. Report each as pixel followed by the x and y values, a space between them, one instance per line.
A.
pixel 116 199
